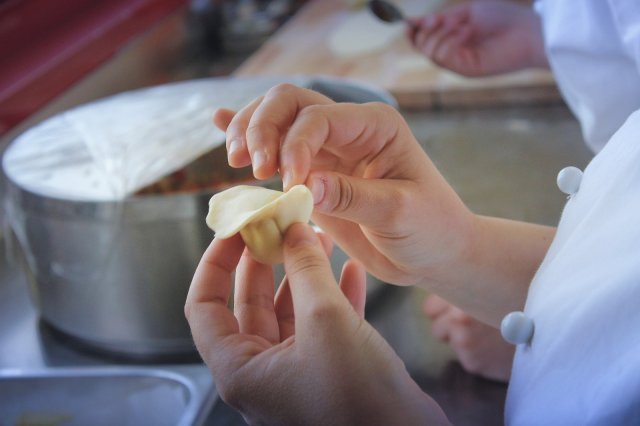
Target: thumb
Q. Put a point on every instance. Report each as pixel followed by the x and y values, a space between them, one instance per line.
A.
pixel 313 286
pixel 373 203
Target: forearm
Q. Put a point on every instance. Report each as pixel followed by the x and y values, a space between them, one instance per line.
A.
pixel 393 398
pixel 491 277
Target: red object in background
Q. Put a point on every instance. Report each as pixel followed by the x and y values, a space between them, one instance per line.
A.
pixel 46 46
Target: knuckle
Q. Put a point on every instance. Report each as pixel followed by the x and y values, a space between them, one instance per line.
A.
pixel 344 199
pixel 386 113
pixel 306 263
pixel 463 319
pixel 325 313
pixel 315 117
pixel 311 111
pixel 261 129
pixel 298 149
pixel 253 301
pixel 385 108
pixel 282 89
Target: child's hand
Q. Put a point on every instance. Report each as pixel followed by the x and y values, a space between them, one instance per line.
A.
pixel 305 356
pixel 375 190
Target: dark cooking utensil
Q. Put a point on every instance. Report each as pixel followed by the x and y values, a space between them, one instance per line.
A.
pixel 385 11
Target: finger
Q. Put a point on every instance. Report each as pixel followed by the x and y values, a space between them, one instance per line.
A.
pixel 237 151
pixel 326 241
pixel 270 122
pixel 353 283
pixel 450 46
pixel 424 27
pixel 434 306
pixel 351 132
pixel 222 118
pixel 285 314
pixel 373 203
pixel 254 299
pixel 429 45
pixel 414 26
pixel 441 328
pixel 411 28
pixel 317 300
pixel 206 306
pixel 283 300
pixel 462 339
pixel 461 318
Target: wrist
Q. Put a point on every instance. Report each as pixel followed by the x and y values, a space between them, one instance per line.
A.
pixel 396 399
pixel 464 230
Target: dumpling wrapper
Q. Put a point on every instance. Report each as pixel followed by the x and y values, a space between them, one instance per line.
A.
pixel 261 215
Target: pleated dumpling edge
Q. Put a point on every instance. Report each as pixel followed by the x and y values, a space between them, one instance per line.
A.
pixel 261 215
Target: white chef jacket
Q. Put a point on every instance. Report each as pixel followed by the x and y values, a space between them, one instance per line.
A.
pixel 582 365
pixel 593 47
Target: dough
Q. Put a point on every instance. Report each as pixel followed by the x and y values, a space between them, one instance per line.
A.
pixel 361 33
pixel 261 215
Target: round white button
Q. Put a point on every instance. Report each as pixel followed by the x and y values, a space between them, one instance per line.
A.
pixel 517 328
pixel 569 180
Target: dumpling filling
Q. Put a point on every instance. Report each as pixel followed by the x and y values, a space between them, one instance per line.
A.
pixel 261 215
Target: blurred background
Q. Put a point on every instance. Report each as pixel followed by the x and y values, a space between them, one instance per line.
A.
pixel 500 142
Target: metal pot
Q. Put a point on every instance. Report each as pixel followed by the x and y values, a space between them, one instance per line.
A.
pixel 114 275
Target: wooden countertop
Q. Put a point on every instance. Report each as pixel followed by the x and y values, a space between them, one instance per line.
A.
pixel 316 39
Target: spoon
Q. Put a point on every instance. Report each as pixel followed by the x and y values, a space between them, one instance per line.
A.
pixel 385 11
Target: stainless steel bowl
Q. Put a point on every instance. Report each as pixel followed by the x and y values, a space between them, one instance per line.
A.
pixel 113 275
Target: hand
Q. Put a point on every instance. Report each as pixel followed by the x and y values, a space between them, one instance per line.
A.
pixel 375 190
pixel 382 200
pixel 479 347
pixel 307 357
pixel 481 38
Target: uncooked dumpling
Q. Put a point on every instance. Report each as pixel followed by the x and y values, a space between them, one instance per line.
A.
pixel 261 215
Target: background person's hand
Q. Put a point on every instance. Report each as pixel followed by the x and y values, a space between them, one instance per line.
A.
pixel 305 356
pixel 480 38
pixel 479 347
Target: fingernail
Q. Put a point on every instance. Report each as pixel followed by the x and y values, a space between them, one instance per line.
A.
pixel 258 159
pixel 317 188
pixel 286 180
pixel 234 145
pixel 300 235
